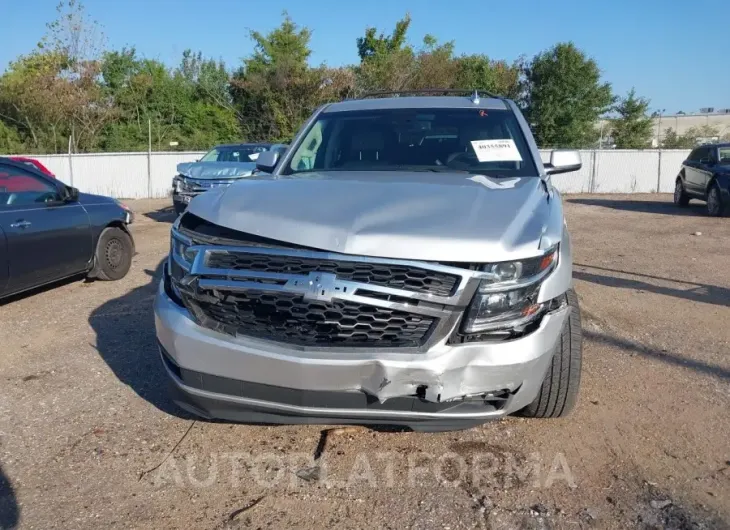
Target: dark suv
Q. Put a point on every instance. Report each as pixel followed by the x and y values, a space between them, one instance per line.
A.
pixel 705 175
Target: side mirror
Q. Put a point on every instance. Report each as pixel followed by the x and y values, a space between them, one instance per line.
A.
pixel 72 194
pixel 266 161
pixel 706 161
pixel 563 161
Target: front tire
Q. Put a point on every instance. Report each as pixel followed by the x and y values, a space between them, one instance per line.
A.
pixel 559 390
pixel 113 257
pixel 680 196
pixel 715 207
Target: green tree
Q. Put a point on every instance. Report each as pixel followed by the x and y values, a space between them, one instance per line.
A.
pixel 388 62
pixel 672 140
pixel 632 129
pixel 374 47
pixel 10 142
pixel 190 104
pixel 275 90
pixel 433 65
pixel 29 94
pixel 481 73
pixel 703 133
pixel 565 96
pixel 286 47
pixel 52 93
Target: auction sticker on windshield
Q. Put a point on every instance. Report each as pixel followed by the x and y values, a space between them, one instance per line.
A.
pixel 496 150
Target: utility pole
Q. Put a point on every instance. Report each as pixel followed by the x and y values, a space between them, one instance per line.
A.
pixel 659 113
pixel 600 141
pixel 70 161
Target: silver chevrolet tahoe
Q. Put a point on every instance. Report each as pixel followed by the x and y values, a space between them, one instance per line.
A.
pixel 406 262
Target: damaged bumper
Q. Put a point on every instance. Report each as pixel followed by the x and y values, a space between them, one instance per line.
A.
pixel 184 197
pixel 244 379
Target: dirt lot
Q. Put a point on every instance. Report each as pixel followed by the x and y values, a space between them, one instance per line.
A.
pixel 88 437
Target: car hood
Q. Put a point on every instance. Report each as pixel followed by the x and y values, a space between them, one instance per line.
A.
pixel 420 216
pixel 89 198
pixel 216 170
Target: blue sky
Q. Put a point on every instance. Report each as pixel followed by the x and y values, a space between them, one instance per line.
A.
pixel 670 51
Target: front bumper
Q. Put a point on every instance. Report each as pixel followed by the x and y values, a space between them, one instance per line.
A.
pixel 184 197
pixel 244 379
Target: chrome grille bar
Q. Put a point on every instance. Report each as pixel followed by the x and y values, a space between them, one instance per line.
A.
pixel 200 268
pixel 201 281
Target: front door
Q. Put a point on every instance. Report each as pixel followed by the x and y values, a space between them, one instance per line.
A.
pixel 694 178
pixel 47 238
pixel 706 168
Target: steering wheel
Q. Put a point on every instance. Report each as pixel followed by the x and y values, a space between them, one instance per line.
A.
pixel 462 157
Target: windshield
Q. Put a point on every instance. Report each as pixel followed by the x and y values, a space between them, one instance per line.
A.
pixel 488 142
pixel 236 153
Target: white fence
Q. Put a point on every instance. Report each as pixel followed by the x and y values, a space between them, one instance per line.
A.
pixel 120 175
pixel 139 175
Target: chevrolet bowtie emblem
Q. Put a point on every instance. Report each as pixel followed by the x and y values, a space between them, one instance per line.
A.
pixel 321 286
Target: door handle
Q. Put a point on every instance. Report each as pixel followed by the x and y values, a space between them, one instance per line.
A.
pixel 20 224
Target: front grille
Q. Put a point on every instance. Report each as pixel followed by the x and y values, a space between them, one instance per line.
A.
pixel 287 317
pixel 382 274
pixel 191 185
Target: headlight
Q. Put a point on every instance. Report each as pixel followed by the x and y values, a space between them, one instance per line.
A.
pixel 128 213
pixel 182 256
pixel 183 252
pixel 507 297
pixel 181 260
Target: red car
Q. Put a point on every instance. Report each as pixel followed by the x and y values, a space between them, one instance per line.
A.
pixel 33 162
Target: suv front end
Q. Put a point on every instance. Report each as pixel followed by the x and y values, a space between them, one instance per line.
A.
pixel 218 168
pixel 311 320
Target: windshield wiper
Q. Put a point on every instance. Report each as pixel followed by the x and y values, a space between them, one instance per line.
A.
pixel 444 169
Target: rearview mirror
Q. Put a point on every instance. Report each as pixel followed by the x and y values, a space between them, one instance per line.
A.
pixel 563 161
pixel 266 161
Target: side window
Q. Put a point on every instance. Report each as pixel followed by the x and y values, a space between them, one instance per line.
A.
pixel 22 188
pixel 305 156
pixel 724 155
pixel 211 156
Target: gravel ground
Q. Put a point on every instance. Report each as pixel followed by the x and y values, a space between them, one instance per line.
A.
pixel 88 437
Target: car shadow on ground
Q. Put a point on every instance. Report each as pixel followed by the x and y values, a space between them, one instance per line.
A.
pixel 659 354
pixel 162 215
pixel 9 509
pixel 125 339
pixel 44 288
pixel 696 292
pixel 656 207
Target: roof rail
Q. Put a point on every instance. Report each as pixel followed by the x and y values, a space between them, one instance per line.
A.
pixel 474 93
